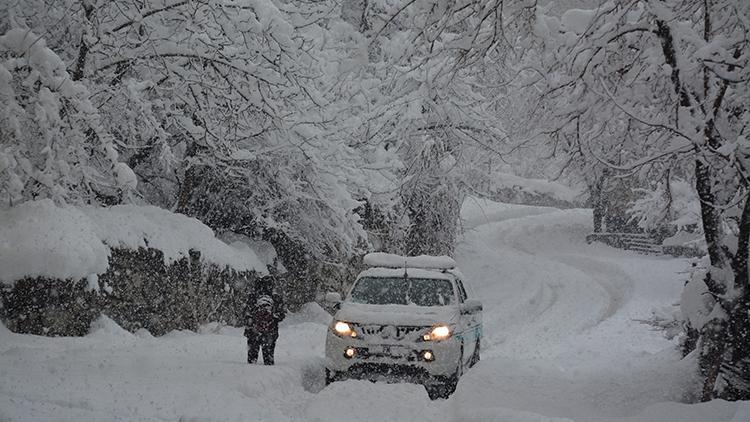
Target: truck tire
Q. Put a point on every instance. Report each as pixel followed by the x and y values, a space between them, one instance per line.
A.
pixel 331 377
pixel 443 387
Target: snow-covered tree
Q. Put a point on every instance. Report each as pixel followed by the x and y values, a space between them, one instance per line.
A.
pixel 639 89
pixel 416 100
pixel 661 85
pixel 223 97
pixel 672 205
pixel 53 142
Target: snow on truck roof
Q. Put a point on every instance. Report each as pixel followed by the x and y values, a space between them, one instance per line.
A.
pixel 380 272
pixel 427 262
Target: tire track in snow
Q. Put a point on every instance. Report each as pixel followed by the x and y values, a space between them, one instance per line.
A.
pixel 533 278
pixel 582 257
pixel 559 317
pixel 615 281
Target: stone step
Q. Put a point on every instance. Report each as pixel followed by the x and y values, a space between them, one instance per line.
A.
pixel 646 250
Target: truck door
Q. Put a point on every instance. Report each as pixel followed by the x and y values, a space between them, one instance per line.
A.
pixel 468 324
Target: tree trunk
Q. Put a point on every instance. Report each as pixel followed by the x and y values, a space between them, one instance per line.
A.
pixel 189 181
pixel 600 203
pixel 83 49
pixel 713 334
pixel 713 346
pixel 711 221
pixel 736 371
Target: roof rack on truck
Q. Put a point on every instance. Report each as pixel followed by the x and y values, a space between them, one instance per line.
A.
pixel 388 260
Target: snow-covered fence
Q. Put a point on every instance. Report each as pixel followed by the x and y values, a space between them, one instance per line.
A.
pixel 645 243
pixel 683 251
pixel 639 242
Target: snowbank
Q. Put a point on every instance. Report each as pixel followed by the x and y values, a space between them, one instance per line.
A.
pixel 41 239
pixel 106 329
pixel 309 312
pixel 4 331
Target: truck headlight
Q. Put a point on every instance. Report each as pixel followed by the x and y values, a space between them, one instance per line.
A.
pixel 438 332
pixel 343 329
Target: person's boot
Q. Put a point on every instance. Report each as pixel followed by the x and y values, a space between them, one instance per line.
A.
pixel 267 349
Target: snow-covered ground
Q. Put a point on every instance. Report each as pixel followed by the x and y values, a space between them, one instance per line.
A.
pixel 562 343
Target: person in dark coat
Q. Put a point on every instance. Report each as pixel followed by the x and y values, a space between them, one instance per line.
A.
pixel 264 311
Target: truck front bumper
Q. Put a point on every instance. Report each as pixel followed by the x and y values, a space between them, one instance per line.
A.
pixel 418 362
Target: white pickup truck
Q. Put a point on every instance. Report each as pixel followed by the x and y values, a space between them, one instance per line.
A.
pixel 405 319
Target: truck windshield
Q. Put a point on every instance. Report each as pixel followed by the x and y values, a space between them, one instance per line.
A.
pixel 401 291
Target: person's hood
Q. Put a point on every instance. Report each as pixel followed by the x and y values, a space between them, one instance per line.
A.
pixel 406 315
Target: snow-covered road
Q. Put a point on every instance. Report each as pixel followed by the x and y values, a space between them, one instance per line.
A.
pixel 562 343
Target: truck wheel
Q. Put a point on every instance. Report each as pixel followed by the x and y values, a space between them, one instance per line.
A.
pixel 331 376
pixel 442 389
pixel 475 355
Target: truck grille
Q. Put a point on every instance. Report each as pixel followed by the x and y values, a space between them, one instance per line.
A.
pixel 390 332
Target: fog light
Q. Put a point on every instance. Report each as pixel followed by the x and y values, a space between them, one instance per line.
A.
pixel 349 352
pixel 427 355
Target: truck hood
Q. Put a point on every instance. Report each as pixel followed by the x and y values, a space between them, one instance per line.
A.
pixel 405 315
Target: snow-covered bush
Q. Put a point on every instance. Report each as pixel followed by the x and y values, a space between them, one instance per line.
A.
pixel 224 102
pixel 139 290
pixel 48 306
pixel 145 292
pixel 671 209
pixel 60 266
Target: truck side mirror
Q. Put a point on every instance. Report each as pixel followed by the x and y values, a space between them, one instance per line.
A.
pixel 333 298
pixel 471 306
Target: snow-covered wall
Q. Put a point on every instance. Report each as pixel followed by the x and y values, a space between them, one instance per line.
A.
pixel 510 188
pixel 41 239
